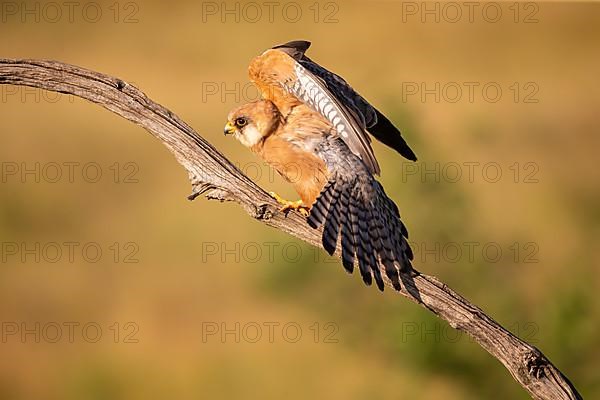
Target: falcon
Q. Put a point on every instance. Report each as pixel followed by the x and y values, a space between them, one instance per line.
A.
pixel 314 129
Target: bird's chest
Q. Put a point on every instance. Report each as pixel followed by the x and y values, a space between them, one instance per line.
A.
pixel 303 169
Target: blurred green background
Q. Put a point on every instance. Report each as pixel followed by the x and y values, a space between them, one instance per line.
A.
pixel 187 301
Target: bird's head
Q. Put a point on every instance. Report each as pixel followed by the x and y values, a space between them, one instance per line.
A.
pixel 253 122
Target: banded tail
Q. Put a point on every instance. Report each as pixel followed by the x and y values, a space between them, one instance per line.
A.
pixel 357 209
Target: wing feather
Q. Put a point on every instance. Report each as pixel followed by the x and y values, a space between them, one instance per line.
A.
pixel 348 245
pixel 327 118
pixel 313 91
pixel 284 81
pixel 332 225
pixel 364 113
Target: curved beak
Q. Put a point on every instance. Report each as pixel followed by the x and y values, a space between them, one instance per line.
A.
pixel 229 129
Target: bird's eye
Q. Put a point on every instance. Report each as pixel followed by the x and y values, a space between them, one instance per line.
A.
pixel 240 122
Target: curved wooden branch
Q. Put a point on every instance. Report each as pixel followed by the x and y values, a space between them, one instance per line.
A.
pixel 215 177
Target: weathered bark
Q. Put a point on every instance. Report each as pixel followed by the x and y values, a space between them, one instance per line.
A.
pixel 215 177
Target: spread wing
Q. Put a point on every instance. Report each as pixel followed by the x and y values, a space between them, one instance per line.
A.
pixel 367 116
pixel 352 206
pixel 284 81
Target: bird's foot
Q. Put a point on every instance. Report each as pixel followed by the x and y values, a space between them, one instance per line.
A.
pixel 290 205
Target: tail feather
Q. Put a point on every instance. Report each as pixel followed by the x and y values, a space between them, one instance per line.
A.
pixel 395 212
pixel 357 209
pixel 365 270
pixel 332 224
pixel 371 260
pixel 402 251
pixel 318 212
pixel 388 254
pixel 409 253
pixel 348 245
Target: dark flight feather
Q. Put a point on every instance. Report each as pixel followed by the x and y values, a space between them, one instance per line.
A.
pixel 366 115
pixel 352 207
pixel 368 222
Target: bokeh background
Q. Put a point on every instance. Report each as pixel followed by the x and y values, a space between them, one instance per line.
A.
pixel 197 300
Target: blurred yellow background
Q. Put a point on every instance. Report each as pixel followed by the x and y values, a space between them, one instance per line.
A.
pixel 114 286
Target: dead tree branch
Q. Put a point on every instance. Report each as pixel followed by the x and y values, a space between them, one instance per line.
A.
pixel 213 176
